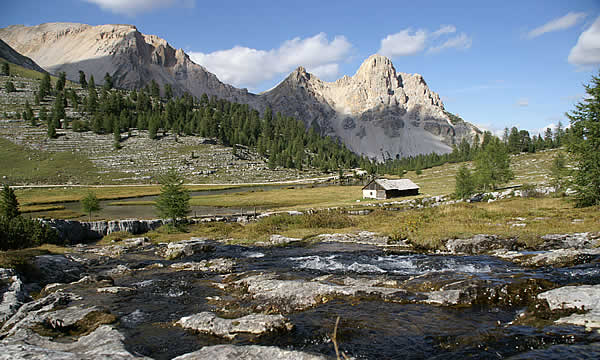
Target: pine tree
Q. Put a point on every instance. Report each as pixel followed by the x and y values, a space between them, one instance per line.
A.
pixel 108 82
pixel 465 183
pixel 82 80
pixel 9 206
pixel 584 146
pixel 45 86
pixel 90 204
pixel 51 129
pixel 173 201
pixel 492 165
pixel 60 83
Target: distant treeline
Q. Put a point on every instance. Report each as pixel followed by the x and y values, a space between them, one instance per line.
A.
pixel 515 141
pixel 284 140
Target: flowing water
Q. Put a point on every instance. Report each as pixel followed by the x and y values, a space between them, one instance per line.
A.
pixel 370 328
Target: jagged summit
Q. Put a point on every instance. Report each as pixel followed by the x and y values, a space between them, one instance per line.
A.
pixel 378 111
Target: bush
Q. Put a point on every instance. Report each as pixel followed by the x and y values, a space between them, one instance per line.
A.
pixel 20 232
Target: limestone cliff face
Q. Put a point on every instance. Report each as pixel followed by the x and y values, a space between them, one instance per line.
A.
pixel 377 112
pixel 133 59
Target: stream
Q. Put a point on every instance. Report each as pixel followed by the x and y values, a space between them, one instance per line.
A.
pixel 371 326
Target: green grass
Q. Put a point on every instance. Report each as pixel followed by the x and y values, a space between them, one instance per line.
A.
pixel 426 228
pixel 24 165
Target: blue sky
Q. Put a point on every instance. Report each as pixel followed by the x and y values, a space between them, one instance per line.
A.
pixel 505 63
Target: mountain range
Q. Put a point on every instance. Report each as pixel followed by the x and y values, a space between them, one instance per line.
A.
pixel 378 112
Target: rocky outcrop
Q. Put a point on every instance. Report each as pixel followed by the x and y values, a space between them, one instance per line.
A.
pixel 182 248
pixel 378 112
pixel 132 59
pixel 9 54
pixel 247 352
pixel 77 232
pixel 13 293
pixel 255 324
pixel 479 244
pixel 58 268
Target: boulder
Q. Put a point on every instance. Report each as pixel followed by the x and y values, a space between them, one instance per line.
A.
pixel 479 244
pixel 256 324
pixel 179 249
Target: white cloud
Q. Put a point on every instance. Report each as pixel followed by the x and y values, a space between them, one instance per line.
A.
pixel 132 7
pixel 587 49
pixel 523 102
pixel 561 23
pixel 247 67
pixel 409 42
pixel 403 43
pixel 444 29
pixel 461 41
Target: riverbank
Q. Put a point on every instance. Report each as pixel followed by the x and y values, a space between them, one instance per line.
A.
pixel 137 298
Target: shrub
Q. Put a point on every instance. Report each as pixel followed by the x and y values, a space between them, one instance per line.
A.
pixel 20 232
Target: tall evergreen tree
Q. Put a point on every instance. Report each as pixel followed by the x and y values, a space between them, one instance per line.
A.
pixel 82 80
pixel 584 146
pixel 5 68
pixel 9 206
pixel 492 165
pixel 465 183
pixel 173 201
pixel 45 86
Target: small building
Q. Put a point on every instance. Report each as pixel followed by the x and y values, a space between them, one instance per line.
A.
pixel 381 189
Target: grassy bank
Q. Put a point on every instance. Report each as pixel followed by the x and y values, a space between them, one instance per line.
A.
pixel 524 218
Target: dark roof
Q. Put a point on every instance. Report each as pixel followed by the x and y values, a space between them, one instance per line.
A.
pixel 399 184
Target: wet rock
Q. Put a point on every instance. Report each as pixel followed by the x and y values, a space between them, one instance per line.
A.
pixel 296 295
pixel 583 297
pixel 13 293
pixel 480 244
pixel 247 352
pixel 219 265
pixel 257 324
pixel 556 258
pixel 58 269
pixel 103 343
pixel 179 249
pixel 362 237
pixel 121 290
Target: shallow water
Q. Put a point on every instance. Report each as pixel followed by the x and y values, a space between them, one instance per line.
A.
pixel 369 328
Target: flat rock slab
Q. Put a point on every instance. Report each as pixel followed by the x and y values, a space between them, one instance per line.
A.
pixel 556 258
pixel 257 324
pixel 296 295
pixel 219 265
pixel 13 293
pixel 584 297
pixel 248 352
pixel 103 343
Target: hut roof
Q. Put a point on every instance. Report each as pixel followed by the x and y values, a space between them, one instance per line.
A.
pixel 400 184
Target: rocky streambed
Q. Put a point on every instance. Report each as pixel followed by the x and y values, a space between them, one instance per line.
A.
pixel 483 298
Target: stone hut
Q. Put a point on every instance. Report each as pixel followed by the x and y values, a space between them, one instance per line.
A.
pixel 381 189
